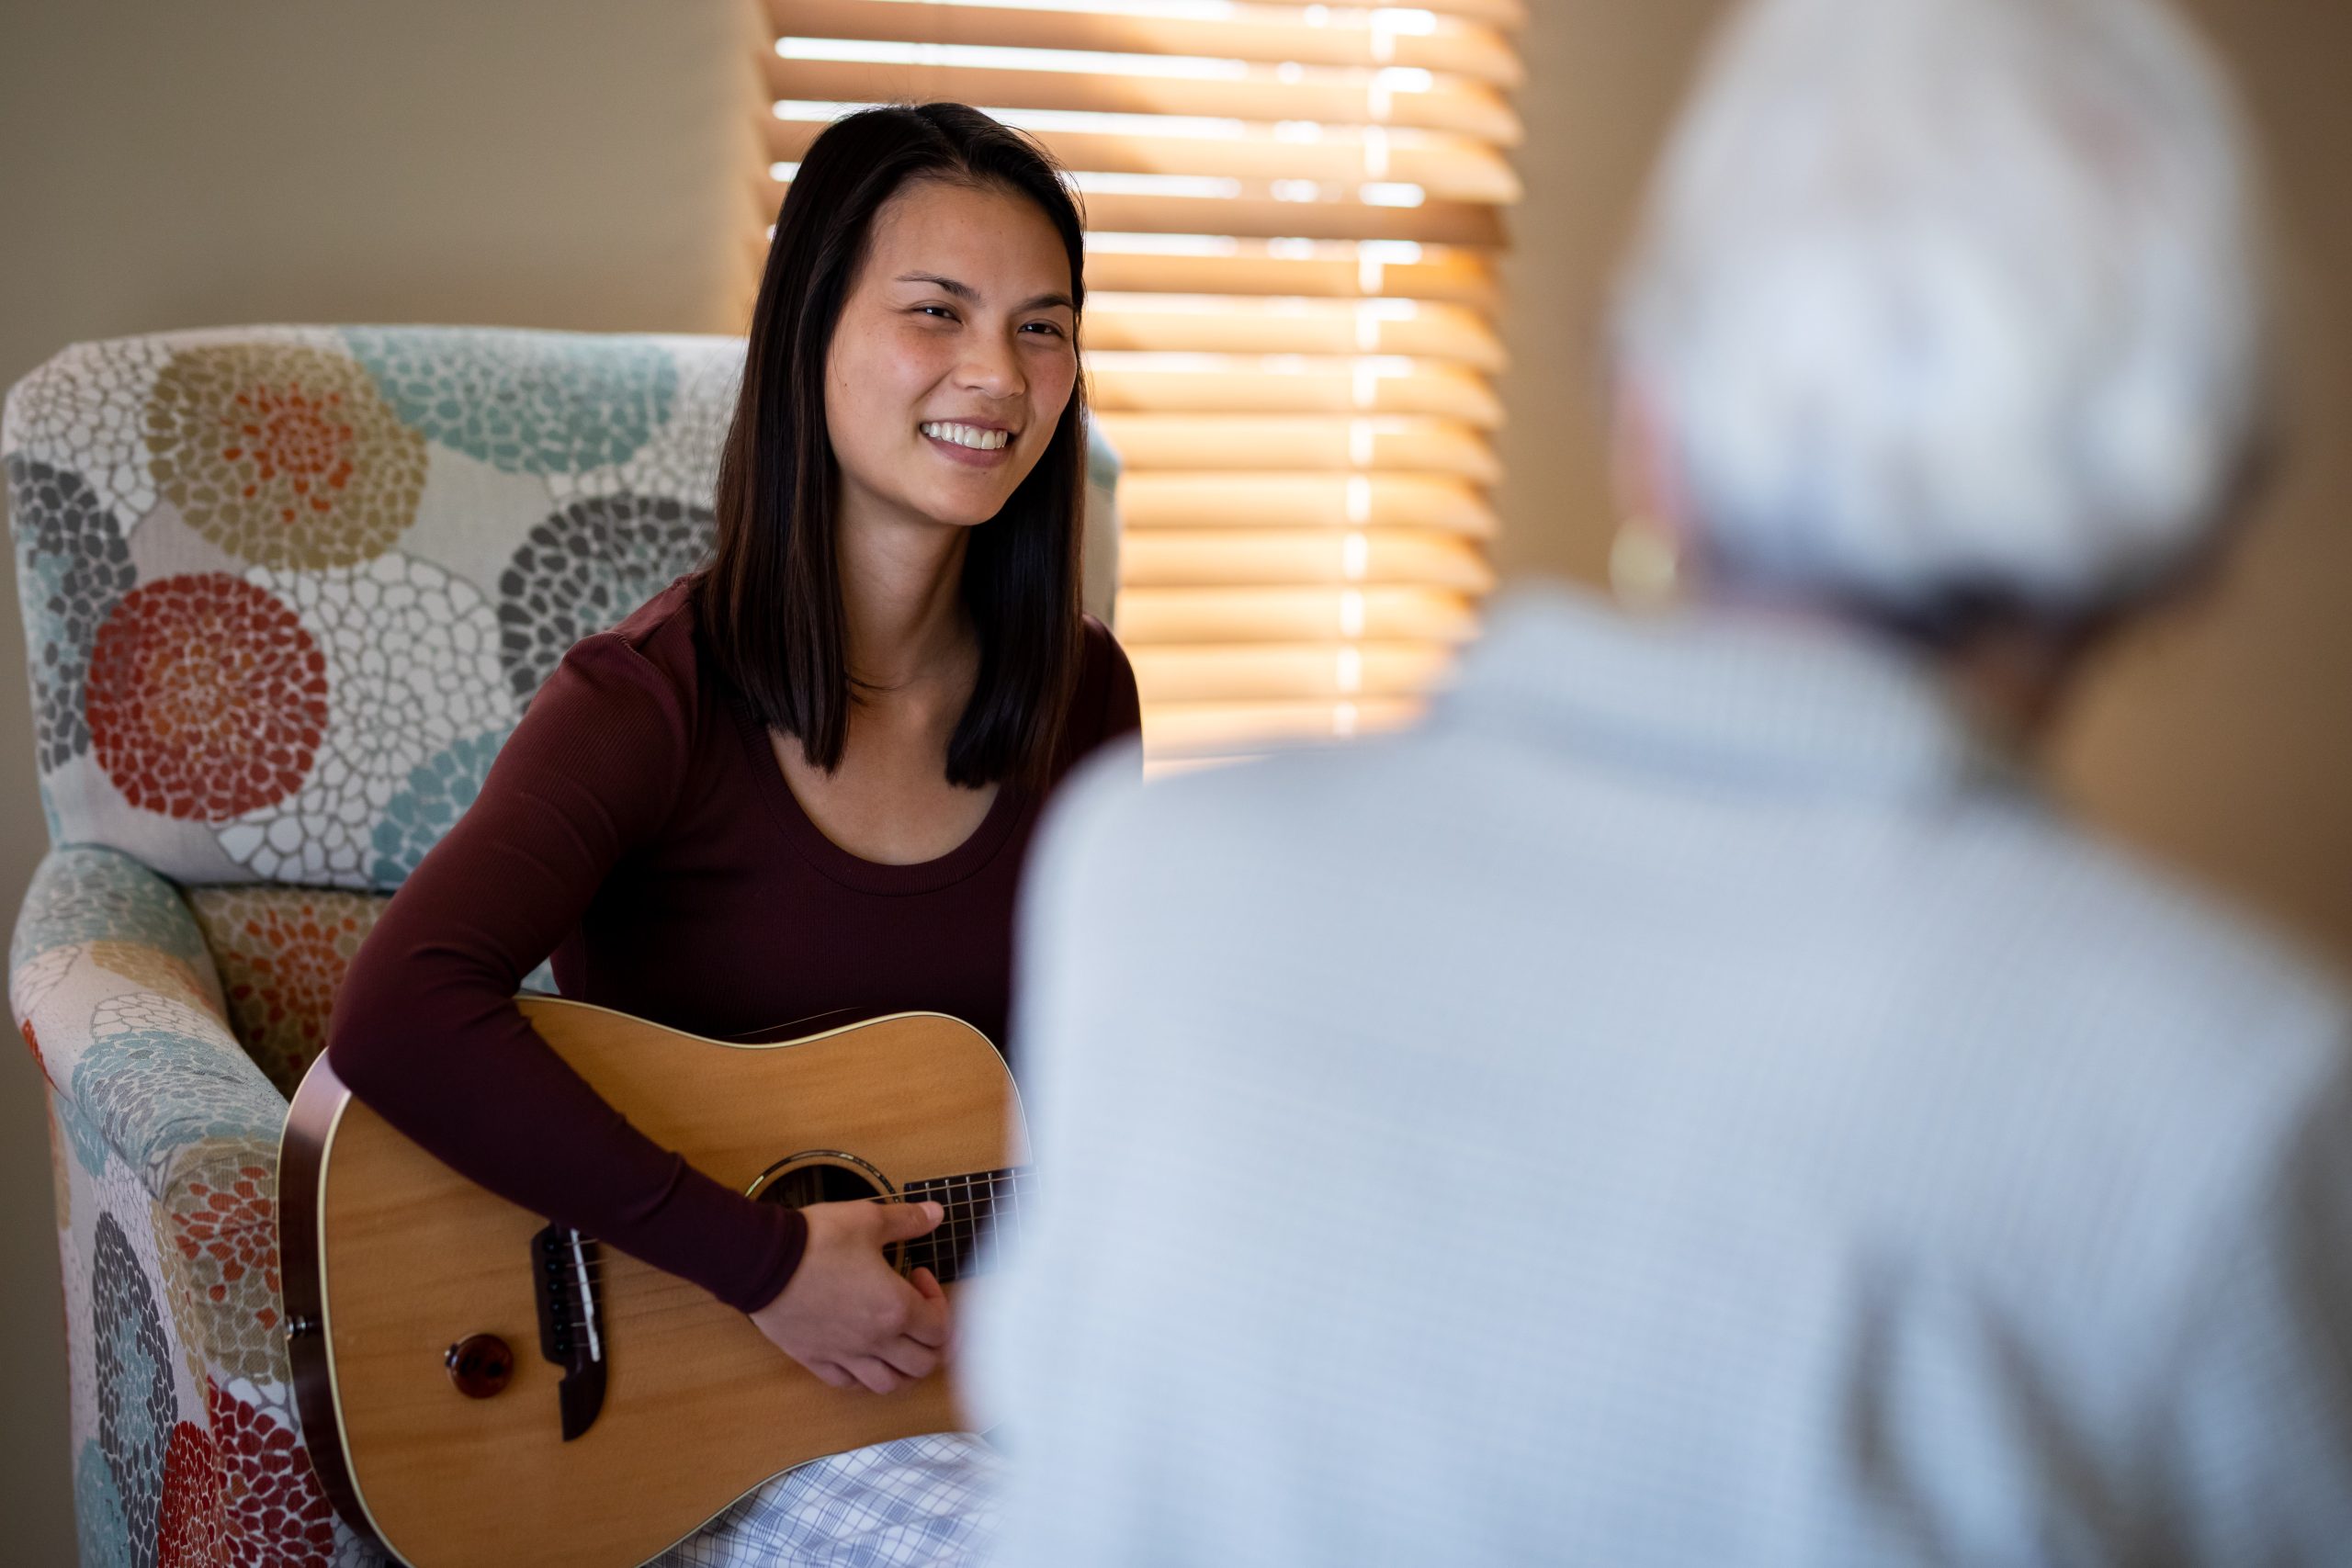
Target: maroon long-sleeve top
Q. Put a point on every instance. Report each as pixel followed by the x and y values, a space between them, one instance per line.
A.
pixel 635 826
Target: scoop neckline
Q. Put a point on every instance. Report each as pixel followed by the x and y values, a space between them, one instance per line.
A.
pixel 855 871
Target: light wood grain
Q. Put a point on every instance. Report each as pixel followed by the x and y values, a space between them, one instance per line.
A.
pixel 699 1408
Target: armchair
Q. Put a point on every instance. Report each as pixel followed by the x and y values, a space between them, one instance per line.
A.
pixel 285 591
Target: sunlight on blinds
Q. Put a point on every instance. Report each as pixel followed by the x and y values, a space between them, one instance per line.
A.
pixel 1295 215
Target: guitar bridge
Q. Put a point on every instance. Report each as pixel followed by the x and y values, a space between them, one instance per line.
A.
pixel 564 1270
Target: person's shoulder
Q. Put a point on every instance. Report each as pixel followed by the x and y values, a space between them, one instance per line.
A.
pixel 1101 662
pixel 660 630
pixel 651 653
pixel 2198 935
pixel 2223 1120
pixel 2180 977
pixel 1105 703
pixel 657 635
pixel 1288 810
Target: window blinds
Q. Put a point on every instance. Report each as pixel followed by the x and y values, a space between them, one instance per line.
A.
pixel 1295 215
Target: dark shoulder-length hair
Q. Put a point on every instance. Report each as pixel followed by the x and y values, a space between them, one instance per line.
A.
pixel 770 601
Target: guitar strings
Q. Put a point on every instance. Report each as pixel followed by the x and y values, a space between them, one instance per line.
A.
pixel 661 1293
pixel 967 1213
pixel 657 1295
pixel 969 1242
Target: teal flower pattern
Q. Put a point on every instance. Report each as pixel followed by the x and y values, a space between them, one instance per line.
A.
pixel 98 1511
pixel 89 1145
pixel 153 1092
pixel 524 402
pixel 438 792
pixel 87 894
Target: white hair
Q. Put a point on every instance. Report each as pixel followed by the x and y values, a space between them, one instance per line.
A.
pixel 1952 298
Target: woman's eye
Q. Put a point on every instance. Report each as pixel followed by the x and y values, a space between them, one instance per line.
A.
pixel 940 311
pixel 1045 327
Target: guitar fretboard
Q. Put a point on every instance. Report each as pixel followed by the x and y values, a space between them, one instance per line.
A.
pixel 966 1241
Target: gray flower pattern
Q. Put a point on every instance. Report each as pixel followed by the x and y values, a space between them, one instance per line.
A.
pixel 136 1406
pixel 73 568
pixel 584 568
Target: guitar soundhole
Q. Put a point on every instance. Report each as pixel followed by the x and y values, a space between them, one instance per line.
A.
pixel 828 1177
pixel 821 1183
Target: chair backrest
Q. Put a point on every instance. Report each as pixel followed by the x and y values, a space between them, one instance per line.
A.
pixel 287 589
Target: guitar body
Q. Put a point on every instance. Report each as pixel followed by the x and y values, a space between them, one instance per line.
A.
pixel 393 1262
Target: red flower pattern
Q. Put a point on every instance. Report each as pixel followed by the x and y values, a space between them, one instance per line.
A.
pixel 276 1515
pixel 242 1494
pixel 206 697
pixel 191 1528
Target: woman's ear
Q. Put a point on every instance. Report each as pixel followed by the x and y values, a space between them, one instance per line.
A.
pixel 1643 473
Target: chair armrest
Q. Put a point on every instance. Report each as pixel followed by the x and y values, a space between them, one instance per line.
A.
pixel 174 1131
pixel 113 989
pixel 116 994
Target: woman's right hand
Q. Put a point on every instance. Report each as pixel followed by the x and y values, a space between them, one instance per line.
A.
pixel 845 1315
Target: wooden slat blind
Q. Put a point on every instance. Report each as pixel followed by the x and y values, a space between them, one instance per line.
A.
pixel 1294 213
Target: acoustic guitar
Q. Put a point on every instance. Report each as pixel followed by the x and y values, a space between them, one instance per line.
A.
pixel 478 1386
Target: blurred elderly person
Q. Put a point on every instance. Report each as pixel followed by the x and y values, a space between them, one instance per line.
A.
pixel 1694 1101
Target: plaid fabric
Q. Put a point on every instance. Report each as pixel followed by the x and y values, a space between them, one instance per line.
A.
pixel 917 1503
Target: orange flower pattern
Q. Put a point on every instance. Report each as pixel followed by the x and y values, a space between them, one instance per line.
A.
pixel 207 699
pixel 283 454
pixel 157 971
pixel 32 1043
pixel 282 954
pixel 216 1234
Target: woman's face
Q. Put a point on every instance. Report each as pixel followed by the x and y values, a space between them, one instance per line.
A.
pixel 953 357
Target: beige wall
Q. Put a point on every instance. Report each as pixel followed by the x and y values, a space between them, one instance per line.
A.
pixel 2221 741
pixel 575 163
pixel 535 163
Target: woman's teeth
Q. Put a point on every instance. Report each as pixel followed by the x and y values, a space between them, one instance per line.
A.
pixel 971 436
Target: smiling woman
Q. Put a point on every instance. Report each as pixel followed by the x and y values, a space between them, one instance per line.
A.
pixel 793 790
pixel 928 267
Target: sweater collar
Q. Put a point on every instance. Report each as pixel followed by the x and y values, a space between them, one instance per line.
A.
pixel 1777 702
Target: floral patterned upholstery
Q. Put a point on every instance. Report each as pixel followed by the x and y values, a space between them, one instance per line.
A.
pixel 163 1135
pixel 286 590
pixel 279 954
